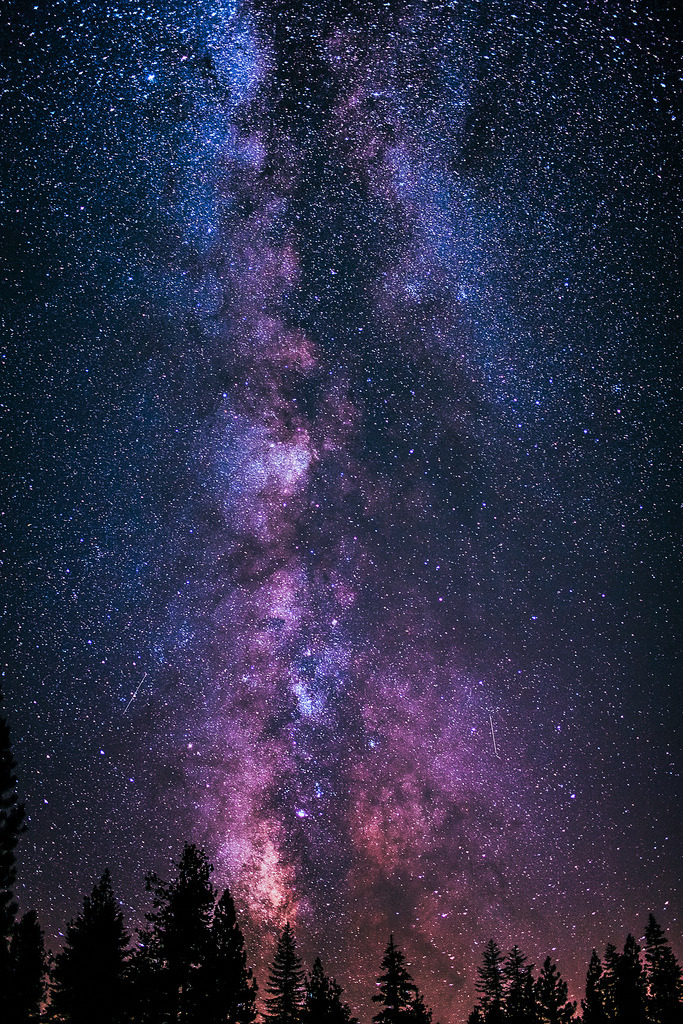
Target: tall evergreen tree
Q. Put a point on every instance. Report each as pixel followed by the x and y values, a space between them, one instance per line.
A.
pixel 27 970
pixel 226 985
pixel 593 1005
pixel 551 996
pixel 322 1002
pixel 609 980
pixel 11 827
pixel 179 939
pixel 629 985
pixel 490 984
pixel 285 1001
pixel 520 1001
pixel 397 991
pixel 419 1012
pixel 665 988
pixel 144 981
pixel 88 977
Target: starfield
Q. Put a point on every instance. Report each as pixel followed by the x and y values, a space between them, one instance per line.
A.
pixel 341 506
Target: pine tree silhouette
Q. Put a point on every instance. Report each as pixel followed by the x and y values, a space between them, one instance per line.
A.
pixel 144 976
pixel 323 1003
pixel 88 977
pixel 665 988
pixel 285 1001
pixel 419 1013
pixel 178 942
pixel 401 998
pixel 609 980
pixel 520 1002
pixel 396 987
pixel 11 827
pixel 27 966
pixel 551 996
pixel 593 1005
pixel 629 985
pixel 490 984
pixel 226 985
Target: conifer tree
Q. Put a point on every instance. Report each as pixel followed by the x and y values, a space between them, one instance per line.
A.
pixel 593 1005
pixel 88 977
pixel 318 997
pixel 609 980
pixel 179 939
pixel 144 978
pixel 226 985
pixel 11 827
pixel 629 985
pixel 520 1002
pixel 551 996
pixel 27 970
pixel 285 1001
pixel 397 991
pixel 323 1003
pixel 665 990
pixel 419 1013
pixel 490 984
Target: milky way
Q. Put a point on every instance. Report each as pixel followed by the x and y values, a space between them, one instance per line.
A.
pixel 343 499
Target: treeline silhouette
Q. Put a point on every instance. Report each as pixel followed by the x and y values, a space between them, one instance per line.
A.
pixel 635 986
pixel 189 964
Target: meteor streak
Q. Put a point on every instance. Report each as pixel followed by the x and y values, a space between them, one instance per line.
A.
pixel 136 693
pixel 493 737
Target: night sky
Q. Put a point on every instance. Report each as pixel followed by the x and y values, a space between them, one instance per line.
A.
pixel 341 492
